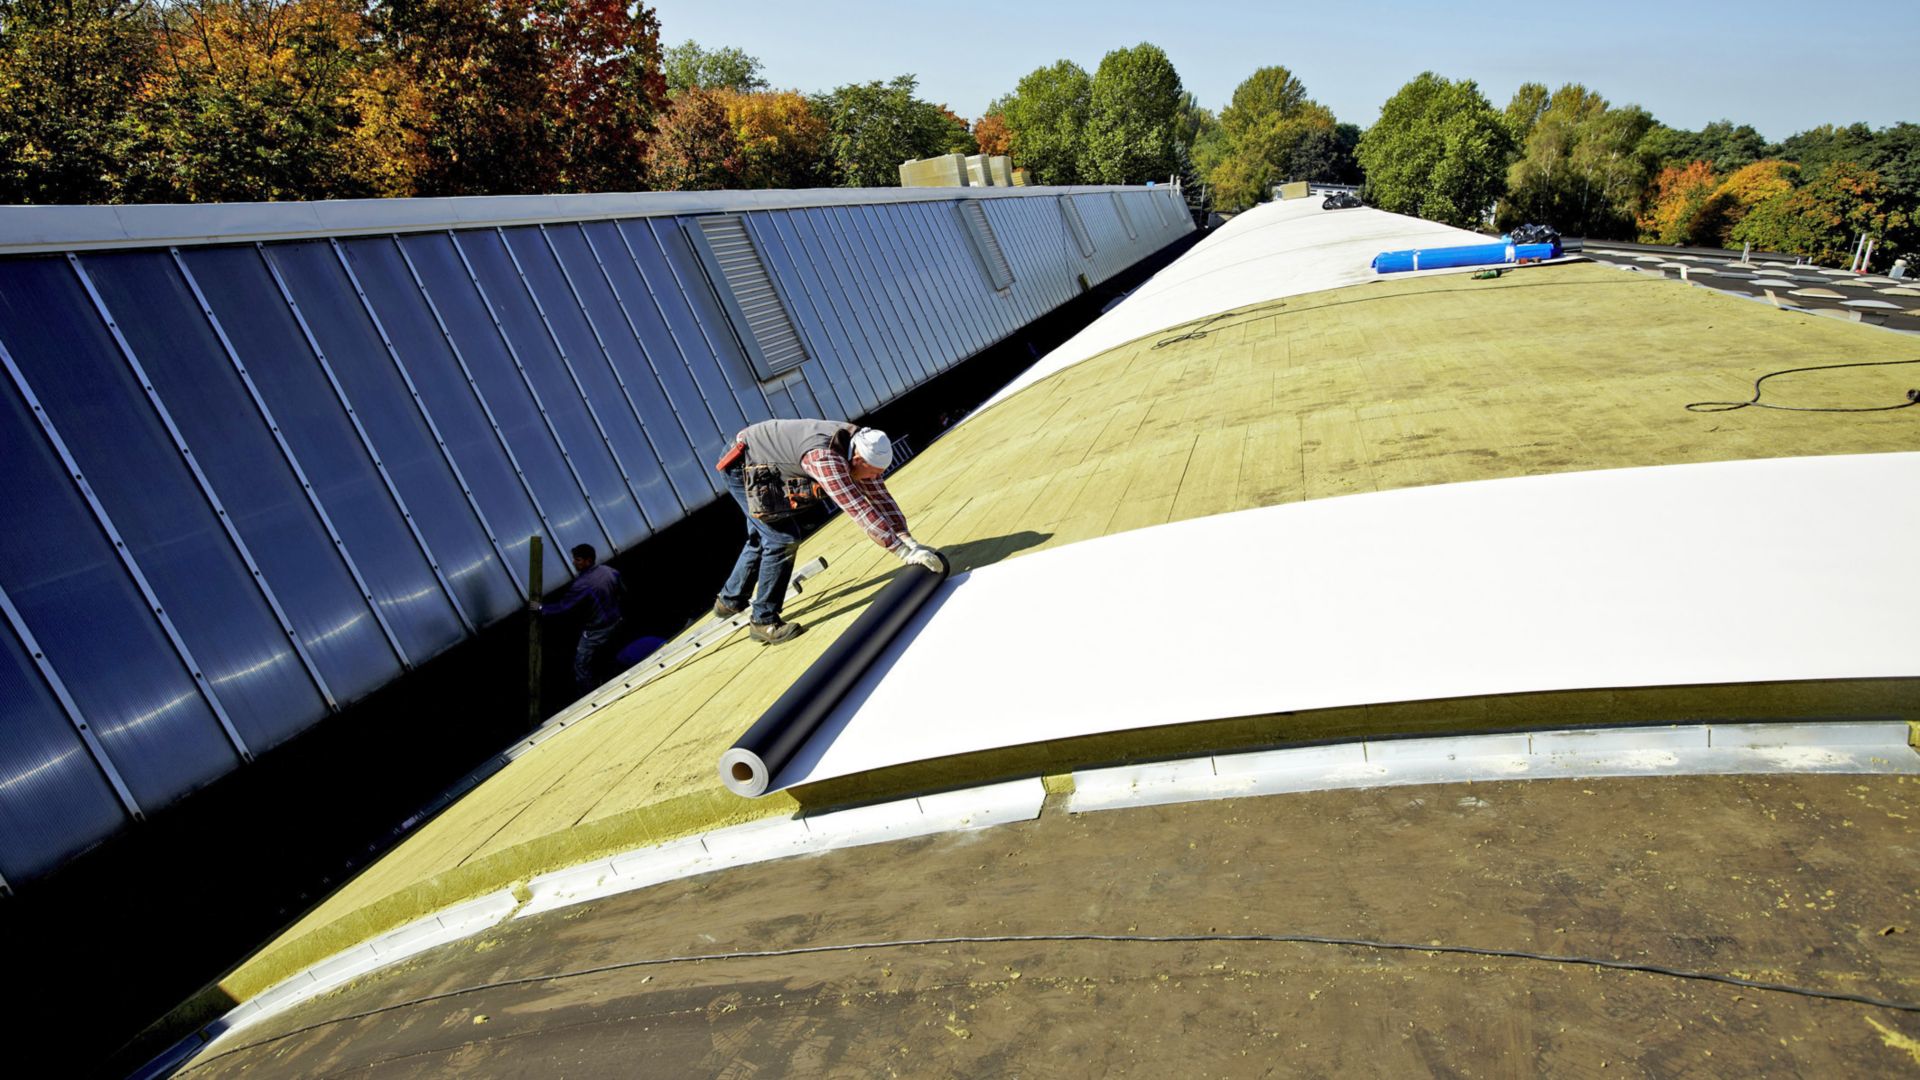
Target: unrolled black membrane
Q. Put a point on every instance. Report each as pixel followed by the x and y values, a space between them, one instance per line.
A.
pixel 759 755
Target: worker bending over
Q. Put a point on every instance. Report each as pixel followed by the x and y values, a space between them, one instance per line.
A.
pixel 777 470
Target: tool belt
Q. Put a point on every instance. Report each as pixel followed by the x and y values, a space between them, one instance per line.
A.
pixel 772 496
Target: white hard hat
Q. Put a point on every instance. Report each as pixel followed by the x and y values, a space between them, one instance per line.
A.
pixel 873 447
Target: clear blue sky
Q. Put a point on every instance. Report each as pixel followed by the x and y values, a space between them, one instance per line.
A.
pixel 1780 66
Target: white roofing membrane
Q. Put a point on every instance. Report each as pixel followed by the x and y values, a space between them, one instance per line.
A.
pixel 1275 250
pixel 1743 571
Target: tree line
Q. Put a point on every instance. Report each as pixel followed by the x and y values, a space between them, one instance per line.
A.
pixel 230 100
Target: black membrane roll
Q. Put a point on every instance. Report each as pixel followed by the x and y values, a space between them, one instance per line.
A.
pixel 750 766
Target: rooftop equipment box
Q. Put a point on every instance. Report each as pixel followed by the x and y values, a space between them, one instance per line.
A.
pixel 947 170
pixel 1002 169
pixel 979 172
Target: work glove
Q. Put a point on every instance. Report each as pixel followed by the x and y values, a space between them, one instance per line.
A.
pixel 914 553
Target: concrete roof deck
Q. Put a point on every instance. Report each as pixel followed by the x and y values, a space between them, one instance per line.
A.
pixel 1369 388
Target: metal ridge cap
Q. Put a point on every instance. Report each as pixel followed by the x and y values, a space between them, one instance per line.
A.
pixel 34 229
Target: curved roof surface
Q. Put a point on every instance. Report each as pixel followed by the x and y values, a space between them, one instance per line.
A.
pixel 1382 386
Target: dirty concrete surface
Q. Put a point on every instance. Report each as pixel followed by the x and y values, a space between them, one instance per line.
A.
pixel 1804 880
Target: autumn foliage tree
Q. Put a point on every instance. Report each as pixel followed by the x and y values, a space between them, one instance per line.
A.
pixel 69 72
pixel 781 142
pixel 993 134
pixel 1680 206
pixel 1823 217
pixel 1748 187
pixel 271 99
pixel 695 148
pixel 604 89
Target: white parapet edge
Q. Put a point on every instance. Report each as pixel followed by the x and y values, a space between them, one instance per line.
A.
pixel 1875 746
pixel 1860 747
pixel 718 849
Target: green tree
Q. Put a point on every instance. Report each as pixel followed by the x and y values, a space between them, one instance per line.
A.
pixel 1439 150
pixel 1583 167
pixel 1266 127
pixel 1892 152
pixel 873 127
pixel 1194 120
pixel 69 73
pixel 1529 104
pixel 1326 155
pixel 688 65
pixel 1724 146
pixel 1046 117
pixel 1823 218
pixel 1133 116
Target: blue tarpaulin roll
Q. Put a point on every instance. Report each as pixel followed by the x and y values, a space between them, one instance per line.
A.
pixel 1391 262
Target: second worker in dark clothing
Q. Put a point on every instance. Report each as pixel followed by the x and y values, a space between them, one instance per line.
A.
pixel 807 460
pixel 600 589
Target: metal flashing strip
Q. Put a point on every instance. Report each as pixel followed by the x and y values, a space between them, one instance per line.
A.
pixel 1688 750
pixel 32 229
pixel 132 565
pixel 717 849
pixel 1126 218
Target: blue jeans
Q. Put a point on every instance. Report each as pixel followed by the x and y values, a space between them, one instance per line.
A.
pixel 595 641
pixel 767 558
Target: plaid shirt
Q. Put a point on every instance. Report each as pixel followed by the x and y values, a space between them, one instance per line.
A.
pixel 865 501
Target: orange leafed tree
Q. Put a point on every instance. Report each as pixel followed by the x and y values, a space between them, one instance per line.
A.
pixel 1679 208
pixel 694 148
pixel 993 134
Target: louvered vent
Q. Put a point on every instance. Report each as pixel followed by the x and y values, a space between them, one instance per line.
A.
pixel 760 321
pixel 986 246
pixel 1120 207
pixel 1159 204
pixel 1076 226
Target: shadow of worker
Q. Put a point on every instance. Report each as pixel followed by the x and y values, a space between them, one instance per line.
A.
pixel 974 554
pixel 964 557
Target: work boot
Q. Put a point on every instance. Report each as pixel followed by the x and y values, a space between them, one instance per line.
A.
pixel 724 610
pixel 775 632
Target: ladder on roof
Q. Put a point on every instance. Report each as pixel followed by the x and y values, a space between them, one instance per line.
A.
pixel 705 634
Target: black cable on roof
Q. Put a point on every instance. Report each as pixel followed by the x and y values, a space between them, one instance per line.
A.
pixel 1913 396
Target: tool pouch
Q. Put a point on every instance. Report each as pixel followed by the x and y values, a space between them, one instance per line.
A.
pixel 772 496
